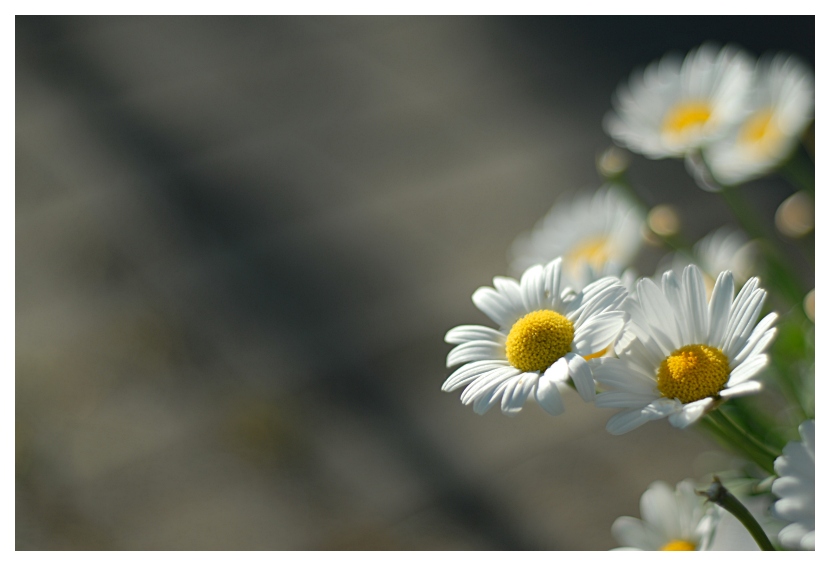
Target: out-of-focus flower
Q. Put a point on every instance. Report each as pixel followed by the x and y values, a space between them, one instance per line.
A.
pixel 781 107
pixel 796 488
pixel 680 357
pixel 676 106
pixel 676 519
pixel 725 249
pixel 796 216
pixel 545 335
pixel 664 220
pixel 597 235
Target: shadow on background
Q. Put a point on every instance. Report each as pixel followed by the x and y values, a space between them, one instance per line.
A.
pixel 241 240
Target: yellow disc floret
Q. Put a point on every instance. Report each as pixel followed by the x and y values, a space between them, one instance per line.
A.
pixel 538 339
pixel 685 118
pixel 693 372
pixel 678 544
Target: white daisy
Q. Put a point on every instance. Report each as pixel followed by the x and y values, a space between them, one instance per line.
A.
pixel 676 105
pixel 781 105
pixel 545 336
pixel 680 357
pixel 796 488
pixel 676 519
pixel 725 249
pixel 598 235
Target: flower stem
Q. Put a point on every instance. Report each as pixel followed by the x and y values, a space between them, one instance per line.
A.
pixel 719 495
pixel 800 172
pixel 734 441
pixel 767 455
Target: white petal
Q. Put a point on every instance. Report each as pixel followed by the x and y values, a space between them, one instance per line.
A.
pixel 658 507
pixel 677 300
pixel 622 400
pixel 696 297
pixel 750 368
pixel 744 324
pixel 498 308
pixel 533 289
pixel 581 376
pixel 487 382
pixel 691 412
pixel 598 333
pixel 553 281
pixel 659 314
pixel 760 335
pixel 509 289
pixel 470 332
pixel 468 373
pixel 617 374
pixel 719 306
pixel 745 388
pixel 634 534
pixel 515 394
pixel 548 396
pixel 626 421
pixel 474 351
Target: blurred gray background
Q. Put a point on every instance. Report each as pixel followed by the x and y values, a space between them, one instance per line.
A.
pixel 240 241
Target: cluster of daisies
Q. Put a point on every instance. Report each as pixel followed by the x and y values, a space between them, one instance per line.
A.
pixel 678 344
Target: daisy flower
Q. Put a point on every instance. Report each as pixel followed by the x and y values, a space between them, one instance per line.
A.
pixel 544 337
pixel 597 235
pixel 781 106
pixel 725 249
pixel 683 356
pixel 672 519
pixel 676 106
pixel 796 488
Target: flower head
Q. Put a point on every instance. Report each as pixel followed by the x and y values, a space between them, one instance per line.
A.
pixel 676 519
pixel 676 106
pixel 681 357
pixel 597 235
pixel 796 488
pixel 780 108
pixel 544 337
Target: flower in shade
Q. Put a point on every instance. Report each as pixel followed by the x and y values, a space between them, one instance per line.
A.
pixel 672 519
pixel 597 235
pixel 680 356
pixel 725 249
pixel 796 489
pixel 545 336
pixel 676 106
pixel 781 106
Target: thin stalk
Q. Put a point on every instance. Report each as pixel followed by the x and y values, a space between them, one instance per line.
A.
pixel 719 495
pixel 736 430
pixel 735 442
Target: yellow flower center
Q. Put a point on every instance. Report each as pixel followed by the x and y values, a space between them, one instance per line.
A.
pixel 677 544
pixel 686 118
pixel 692 373
pixel 594 251
pixel 538 339
pixel 760 132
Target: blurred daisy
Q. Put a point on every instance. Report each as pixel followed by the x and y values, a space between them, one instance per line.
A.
pixel 725 249
pixel 796 488
pixel 676 519
pixel 676 106
pixel 685 356
pixel 781 104
pixel 597 235
pixel 545 336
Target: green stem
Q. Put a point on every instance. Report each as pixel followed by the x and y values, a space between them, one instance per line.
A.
pixel 719 495
pixel 725 422
pixel 734 441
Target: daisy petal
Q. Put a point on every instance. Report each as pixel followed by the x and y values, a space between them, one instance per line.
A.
pixel 548 396
pixel 470 332
pixel 474 351
pixel 691 412
pixel 469 372
pixel 719 306
pixel 581 376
